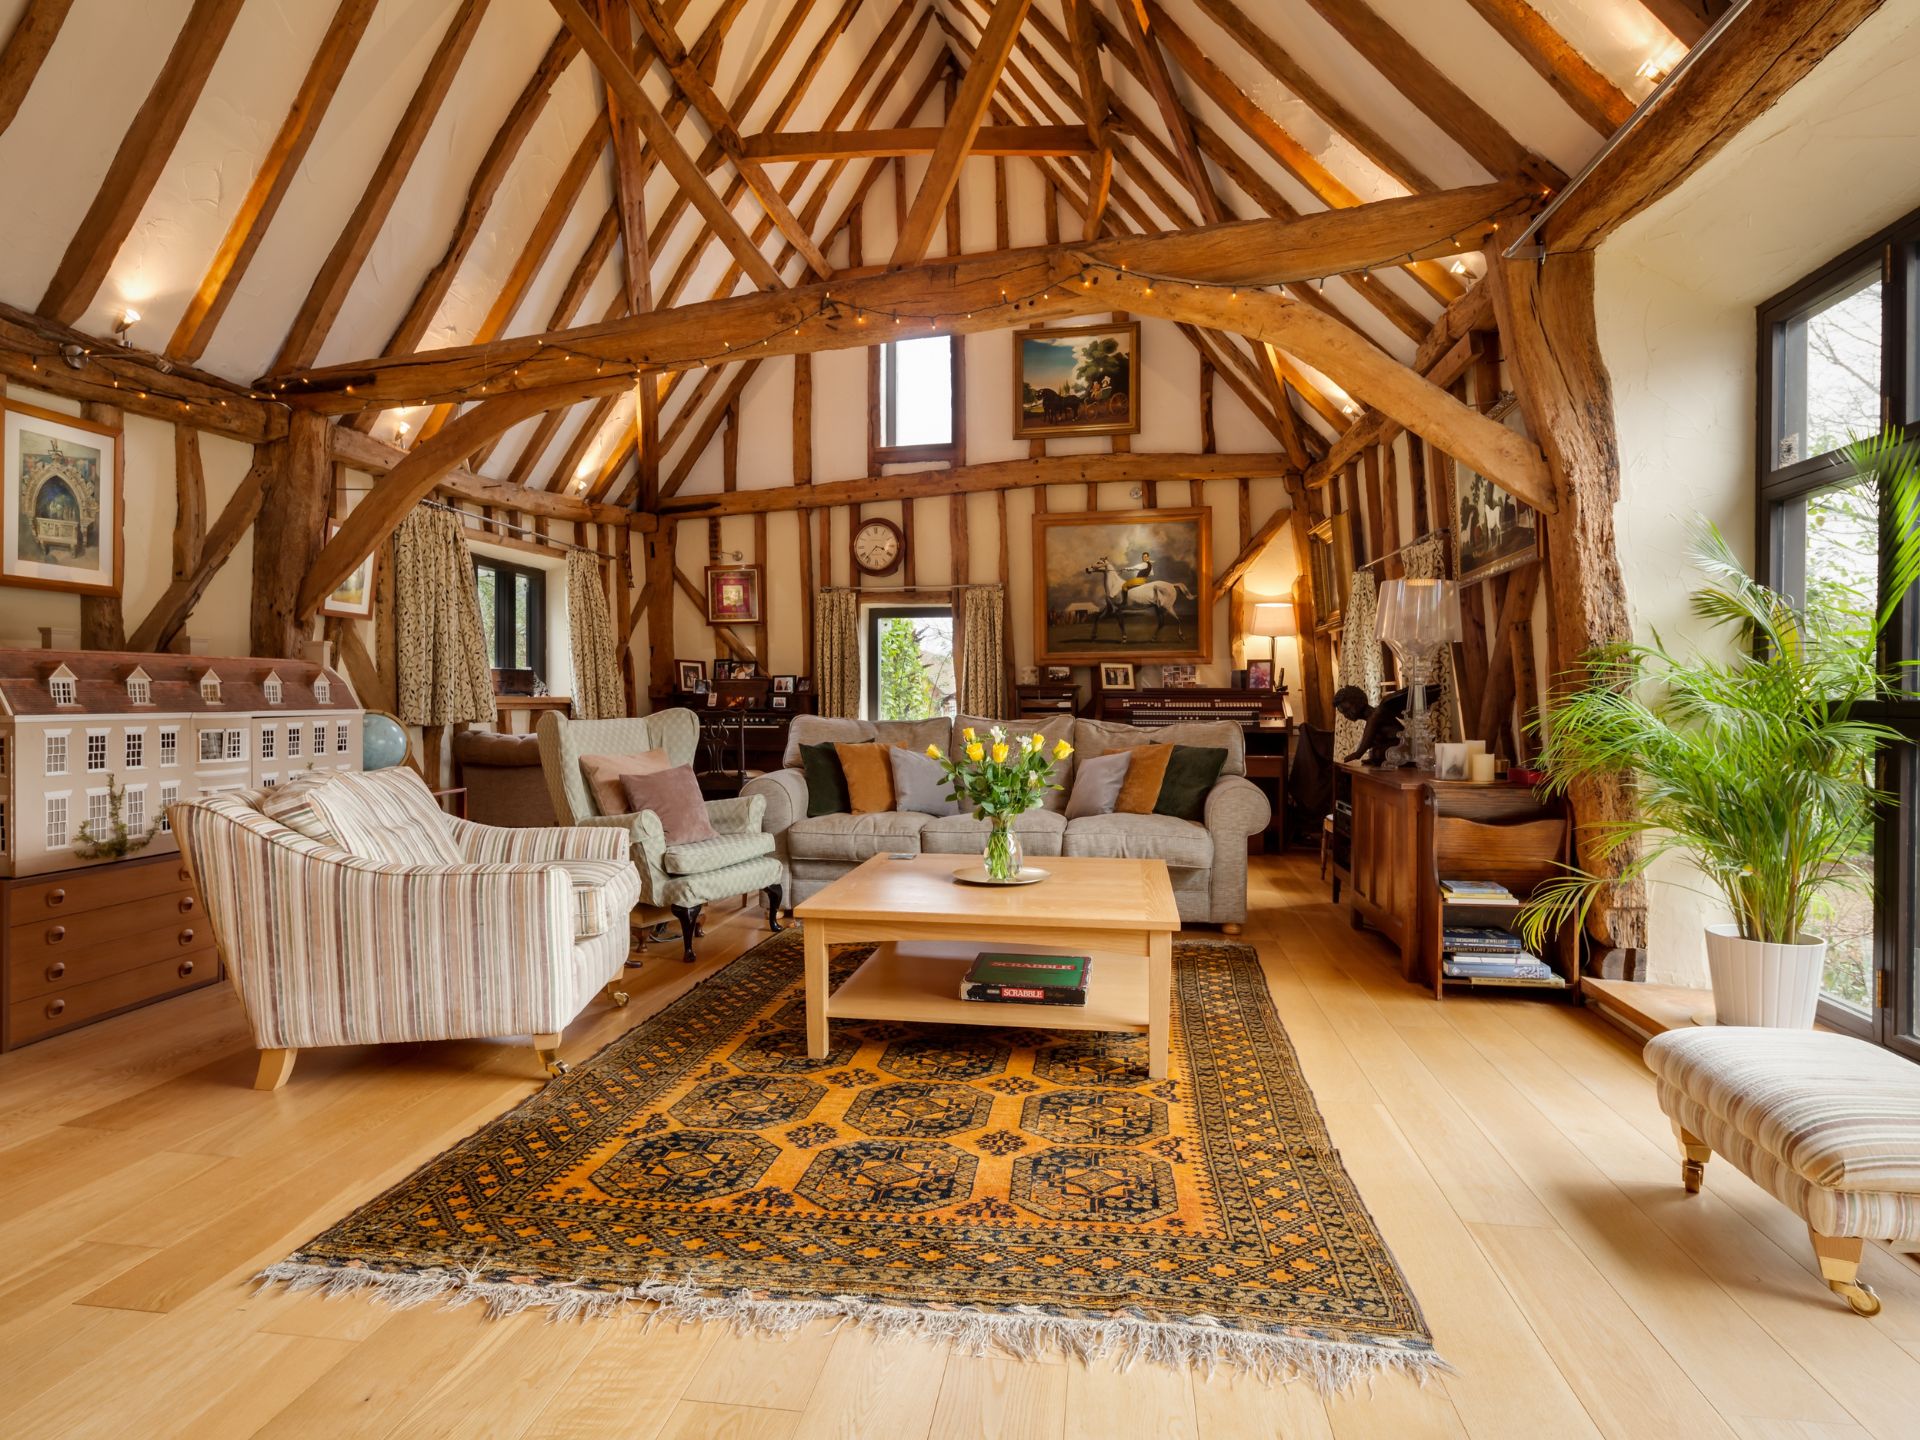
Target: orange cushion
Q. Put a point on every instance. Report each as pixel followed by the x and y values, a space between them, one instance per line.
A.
pixel 605 776
pixel 869 777
pixel 1145 771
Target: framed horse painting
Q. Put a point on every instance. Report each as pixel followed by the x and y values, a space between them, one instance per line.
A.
pixel 1492 532
pixel 1076 380
pixel 1122 585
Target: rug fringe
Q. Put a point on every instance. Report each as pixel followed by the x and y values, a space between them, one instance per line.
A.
pixel 1330 1366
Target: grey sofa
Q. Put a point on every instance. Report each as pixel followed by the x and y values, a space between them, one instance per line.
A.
pixel 1207 862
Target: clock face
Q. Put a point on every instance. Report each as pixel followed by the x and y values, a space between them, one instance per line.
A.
pixel 876 547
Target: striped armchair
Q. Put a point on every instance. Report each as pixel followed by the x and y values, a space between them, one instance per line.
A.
pixel 678 878
pixel 351 910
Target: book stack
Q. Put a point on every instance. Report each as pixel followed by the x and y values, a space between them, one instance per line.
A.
pixel 1477 892
pixel 1492 956
pixel 1026 979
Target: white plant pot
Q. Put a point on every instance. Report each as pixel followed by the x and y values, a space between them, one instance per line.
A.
pixel 1759 982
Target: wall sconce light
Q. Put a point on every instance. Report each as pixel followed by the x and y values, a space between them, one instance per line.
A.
pixel 125 321
pixel 1460 269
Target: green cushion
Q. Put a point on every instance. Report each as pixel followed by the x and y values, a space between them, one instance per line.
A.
pixel 826 781
pixel 1190 775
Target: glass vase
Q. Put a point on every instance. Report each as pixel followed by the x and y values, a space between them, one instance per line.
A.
pixel 1002 855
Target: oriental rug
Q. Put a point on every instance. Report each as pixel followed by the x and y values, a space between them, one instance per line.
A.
pixel 1024 1191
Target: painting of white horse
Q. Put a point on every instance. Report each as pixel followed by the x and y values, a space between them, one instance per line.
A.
pixel 1122 585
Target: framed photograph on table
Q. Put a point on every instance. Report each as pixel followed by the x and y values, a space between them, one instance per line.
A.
pixel 1126 585
pixel 63 506
pixel 352 598
pixel 1492 532
pixel 1076 380
pixel 693 675
pixel 733 594
pixel 1115 676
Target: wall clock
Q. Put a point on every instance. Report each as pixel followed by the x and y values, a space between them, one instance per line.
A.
pixel 878 547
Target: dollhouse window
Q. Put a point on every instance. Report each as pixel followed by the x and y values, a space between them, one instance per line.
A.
pixel 136 749
pixel 61 688
pixel 210 688
pixel 340 744
pixel 56 821
pixel 96 750
pixel 169 793
pixel 136 809
pixel 268 737
pixel 323 691
pixel 170 746
pixel 139 689
pixel 272 687
pixel 57 754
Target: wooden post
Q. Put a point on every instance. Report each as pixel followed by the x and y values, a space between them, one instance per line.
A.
pixel 103 624
pixel 660 604
pixel 189 501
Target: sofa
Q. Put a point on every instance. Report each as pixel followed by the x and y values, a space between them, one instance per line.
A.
pixel 1207 861
pixel 503 779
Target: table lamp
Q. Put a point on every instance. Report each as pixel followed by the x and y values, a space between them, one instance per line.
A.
pixel 1416 618
pixel 1273 618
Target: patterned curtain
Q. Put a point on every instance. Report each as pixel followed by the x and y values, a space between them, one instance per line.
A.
pixel 980 643
pixel 1427 560
pixel 836 653
pixel 444 674
pixel 597 691
pixel 1359 658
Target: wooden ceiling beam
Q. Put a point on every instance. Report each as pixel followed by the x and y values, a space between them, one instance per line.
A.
pixel 270 182
pixel 1095 103
pixel 26 50
pixel 143 154
pixel 914 140
pixel 1142 32
pixel 630 167
pixel 1591 96
pixel 1688 19
pixel 956 140
pixel 314 321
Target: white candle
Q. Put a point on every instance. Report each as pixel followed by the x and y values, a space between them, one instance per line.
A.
pixel 1480 768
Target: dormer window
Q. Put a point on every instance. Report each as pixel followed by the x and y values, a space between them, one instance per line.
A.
pixel 139 688
pixel 210 688
pixel 323 691
pixel 60 685
pixel 273 689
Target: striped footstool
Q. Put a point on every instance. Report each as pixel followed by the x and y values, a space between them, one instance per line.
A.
pixel 1829 1124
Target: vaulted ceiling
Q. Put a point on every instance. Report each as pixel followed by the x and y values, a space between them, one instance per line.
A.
pixel 272 184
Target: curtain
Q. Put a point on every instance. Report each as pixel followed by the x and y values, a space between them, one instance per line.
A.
pixel 1359 658
pixel 836 652
pixel 980 645
pixel 445 677
pixel 597 691
pixel 1427 560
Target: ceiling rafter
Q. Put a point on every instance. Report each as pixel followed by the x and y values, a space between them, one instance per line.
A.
pixel 1095 103
pixel 1590 95
pixel 1025 140
pixel 26 50
pixel 1141 32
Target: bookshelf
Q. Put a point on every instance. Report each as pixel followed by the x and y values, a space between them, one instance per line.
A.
pixel 1519 853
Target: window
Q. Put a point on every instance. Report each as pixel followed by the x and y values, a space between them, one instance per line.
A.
pixel 1838 357
pixel 910 674
pixel 3 827
pixel 323 691
pixel 212 744
pixel 3 757
pixel 210 688
pixel 139 689
pixel 136 749
pixel 273 689
pixel 267 782
pixel 170 746
pixel 56 821
pixel 96 750
pixel 60 686
pixel 236 744
pixel 916 399
pixel 513 612
pixel 293 742
pixel 57 753
pixel 340 742
pixel 319 739
pixel 268 737
pixel 134 810
pixel 99 813
pixel 169 793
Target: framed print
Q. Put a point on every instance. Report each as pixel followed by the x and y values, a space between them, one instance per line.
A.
pixel 777 702
pixel 733 594
pixel 1179 677
pixel 783 684
pixel 1492 532
pixel 1076 380
pixel 1122 585
pixel 1260 675
pixel 62 509
pixel 1330 561
pixel 693 675
pixel 1058 674
pixel 1116 675
pixel 352 599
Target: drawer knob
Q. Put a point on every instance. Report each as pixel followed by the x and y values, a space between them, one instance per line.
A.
pixel 57 897
pixel 55 934
pixel 56 1008
pixel 186 968
pixel 185 875
pixel 57 970
pixel 186 904
pixel 186 936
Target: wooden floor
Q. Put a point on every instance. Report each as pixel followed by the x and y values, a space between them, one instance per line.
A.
pixel 1511 1151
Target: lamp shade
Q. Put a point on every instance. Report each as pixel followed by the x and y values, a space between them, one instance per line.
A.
pixel 1273 617
pixel 1419 613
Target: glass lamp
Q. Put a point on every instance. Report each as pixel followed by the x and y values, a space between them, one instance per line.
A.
pixel 1417 618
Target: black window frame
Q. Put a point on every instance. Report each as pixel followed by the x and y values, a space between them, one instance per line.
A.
pixel 880 398
pixel 505 604
pixel 1781 495
pixel 871 617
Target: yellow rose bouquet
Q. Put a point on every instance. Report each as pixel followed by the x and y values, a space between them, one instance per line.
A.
pixel 1001 778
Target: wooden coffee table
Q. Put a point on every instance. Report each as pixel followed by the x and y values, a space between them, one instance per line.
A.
pixel 929 928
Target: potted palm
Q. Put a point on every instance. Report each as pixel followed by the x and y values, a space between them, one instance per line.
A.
pixel 1757 767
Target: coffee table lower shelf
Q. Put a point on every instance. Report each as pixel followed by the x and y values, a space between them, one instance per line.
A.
pixel 920 981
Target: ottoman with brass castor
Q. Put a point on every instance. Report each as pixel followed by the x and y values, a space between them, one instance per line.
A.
pixel 1828 1124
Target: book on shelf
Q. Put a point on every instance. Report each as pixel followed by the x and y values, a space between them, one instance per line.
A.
pixel 1548 981
pixel 1480 938
pixel 1003 978
pixel 1464 965
pixel 1477 892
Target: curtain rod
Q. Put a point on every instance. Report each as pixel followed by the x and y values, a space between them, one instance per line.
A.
pixel 1410 545
pixel 495 524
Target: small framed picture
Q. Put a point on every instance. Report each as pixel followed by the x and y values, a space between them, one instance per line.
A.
pixel 733 595
pixel 803 685
pixel 1260 675
pixel 1114 676
pixel 713 698
pixel 783 684
pixel 1029 675
pixel 693 675
pixel 352 599
pixel 1057 674
pixel 778 702
pixel 1179 677
pixel 61 506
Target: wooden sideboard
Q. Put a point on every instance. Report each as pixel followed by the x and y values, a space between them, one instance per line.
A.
pixel 79 945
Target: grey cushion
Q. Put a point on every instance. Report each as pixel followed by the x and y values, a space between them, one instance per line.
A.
pixel 1096 737
pixel 697 857
pixel 822 730
pixel 855 837
pixel 1181 843
pixel 920 784
pixel 1055 728
pixel 1096 785
pixel 916 735
pixel 1039 832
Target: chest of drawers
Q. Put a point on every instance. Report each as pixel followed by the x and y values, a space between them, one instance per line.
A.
pixel 79 945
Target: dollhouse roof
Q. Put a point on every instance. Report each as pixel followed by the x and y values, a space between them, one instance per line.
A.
pixel 100 683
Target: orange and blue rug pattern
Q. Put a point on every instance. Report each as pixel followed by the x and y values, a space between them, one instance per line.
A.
pixel 1023 1190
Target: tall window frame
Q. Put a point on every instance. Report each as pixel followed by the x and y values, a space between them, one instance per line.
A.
pixel 514 587
pixel 1787 482
pixel 881 414
pixel 873 621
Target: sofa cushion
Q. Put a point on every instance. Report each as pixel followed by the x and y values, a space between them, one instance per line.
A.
pixel 388 816
pixel 1039 832
pixel 826 781
pixel 1146 771
pixel 916 735
pixel 822 730
pixel 869 776
pixel 1096 737
pixel 920 783
pixel 698 857
pixel 292 805
pixel 856 837
pixel 606 775
pixel 674 797
pixel 1096 784
pixel 1181 843
pixel 1190 775
pixel 1052 730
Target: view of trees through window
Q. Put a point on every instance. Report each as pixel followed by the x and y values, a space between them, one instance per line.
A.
pixel 512 614
pixel 912 671
pixel 1830 376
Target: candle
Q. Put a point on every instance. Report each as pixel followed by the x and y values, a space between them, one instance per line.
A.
pixel 1480 768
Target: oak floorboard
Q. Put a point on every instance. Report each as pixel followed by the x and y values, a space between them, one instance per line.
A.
pixel 1008 1399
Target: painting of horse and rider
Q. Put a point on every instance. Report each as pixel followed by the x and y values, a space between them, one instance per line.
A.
pixel 1076 380
pixel 1122 585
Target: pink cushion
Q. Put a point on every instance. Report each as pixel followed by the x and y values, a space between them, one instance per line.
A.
pixel 673 795
pixel 604 774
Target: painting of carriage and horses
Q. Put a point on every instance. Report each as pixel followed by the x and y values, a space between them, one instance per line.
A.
pixel 1492 532
pixel 1122 585
pixel 61 512
pixel 1076 380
